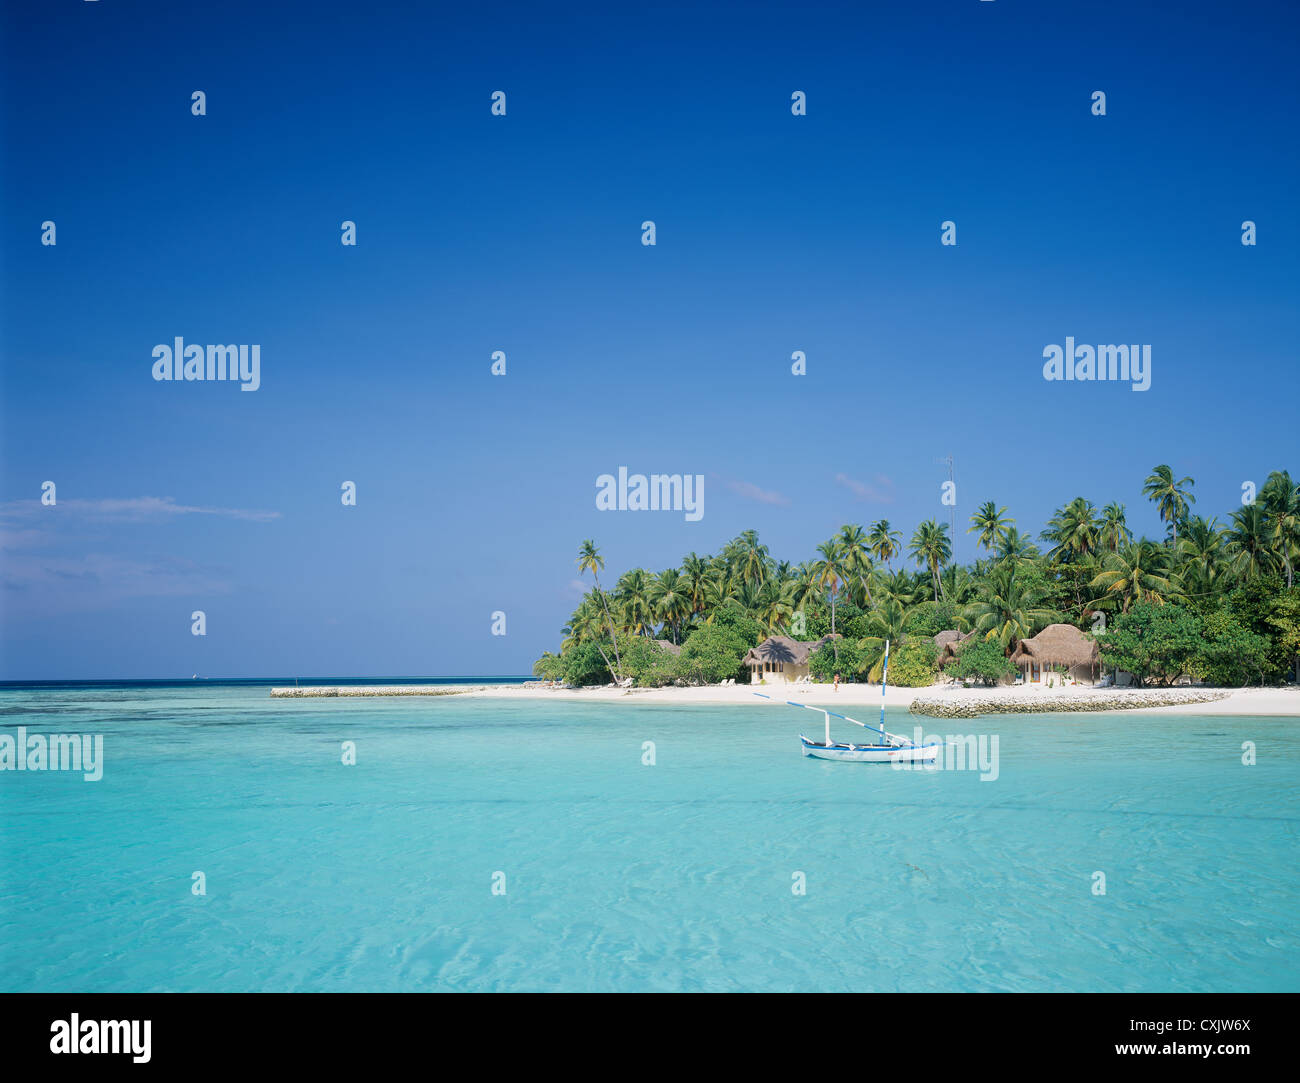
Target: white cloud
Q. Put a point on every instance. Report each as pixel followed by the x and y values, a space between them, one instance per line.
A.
pixel 880 490
pixel 134 508
pixel 750 491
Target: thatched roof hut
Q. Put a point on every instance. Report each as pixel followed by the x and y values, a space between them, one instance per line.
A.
pixel 669 646
pixel 948 641
pixel 1057 645
pixel 783 649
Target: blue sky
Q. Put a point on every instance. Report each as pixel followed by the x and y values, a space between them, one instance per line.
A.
pixel 521 233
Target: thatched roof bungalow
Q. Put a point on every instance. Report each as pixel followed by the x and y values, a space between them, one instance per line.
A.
pixel 1058 646
pixel 780 658
pixel 948 641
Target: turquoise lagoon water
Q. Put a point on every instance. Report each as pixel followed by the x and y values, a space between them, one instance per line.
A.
pixel 621 876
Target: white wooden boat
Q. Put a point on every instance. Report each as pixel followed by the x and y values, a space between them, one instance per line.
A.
pixel 890 749
pixel 890 753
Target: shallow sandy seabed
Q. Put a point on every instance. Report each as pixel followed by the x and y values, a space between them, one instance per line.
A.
pixel 1245 701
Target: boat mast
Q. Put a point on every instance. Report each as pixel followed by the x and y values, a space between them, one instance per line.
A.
pixel 884 680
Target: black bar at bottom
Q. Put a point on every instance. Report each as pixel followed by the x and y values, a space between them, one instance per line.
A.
pixel 338 1032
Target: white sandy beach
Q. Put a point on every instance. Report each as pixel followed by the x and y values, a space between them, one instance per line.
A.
pixel 1245 701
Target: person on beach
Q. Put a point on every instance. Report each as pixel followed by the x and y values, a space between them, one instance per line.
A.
pixel 837 682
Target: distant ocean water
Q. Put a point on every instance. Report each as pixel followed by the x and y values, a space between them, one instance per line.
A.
pixel 620 876
pixel 249 682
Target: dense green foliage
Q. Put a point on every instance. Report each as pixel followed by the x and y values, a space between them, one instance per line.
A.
pixel 1229 585
pixel 645 661
pixel 851 664
pixel 1153 642
pixel 550 667
pixel 1159 644
pixel 711 654
pixel 1230 653
pixel 585 663
pixel 981 660
pixel 914 664
pixel 930 618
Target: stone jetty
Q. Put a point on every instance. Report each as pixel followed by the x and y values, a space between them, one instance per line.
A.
pixel 316 691
pixel 972 703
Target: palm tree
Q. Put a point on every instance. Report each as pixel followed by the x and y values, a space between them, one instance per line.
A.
pixel 805 582
pixel 1137 573
pixel 750 557
pixel 1114 527
pixel 1281 500
pixel 633 595
pixel 958 584
pixel 720 585
pixel 775 605
pixel 1015 547
pixel 885 622
pixel 1201 545
pixel 854 546
pixel 1248 542
pixel 590 560
pixel 747 596
pixel 667 592
pixel 1009 607
pixel 695 574
pixel 1170 496
pixel 931 547
pixel 884 542
pixel 1200 551
pixel 901 585
pixel 1075 529
pixel 990 522
pixel 586 626
pixel 830 572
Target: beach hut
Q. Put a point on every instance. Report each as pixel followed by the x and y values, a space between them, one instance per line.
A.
pixel 948 641
pixel 780 658
pixel 1058 646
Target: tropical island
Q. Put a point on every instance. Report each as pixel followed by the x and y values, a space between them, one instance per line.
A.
pixel 1086 604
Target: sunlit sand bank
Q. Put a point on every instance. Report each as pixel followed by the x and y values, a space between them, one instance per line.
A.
pixel 1245 701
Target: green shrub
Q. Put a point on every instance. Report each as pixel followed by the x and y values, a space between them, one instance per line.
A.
pixel 646 661
pixel 731 615
pixel 1153 642
pixel 1230 654
pixel 582 664
pixel 928 619
pixel 851 665
pixel 711 654
pixel 983 660
pixel 914 664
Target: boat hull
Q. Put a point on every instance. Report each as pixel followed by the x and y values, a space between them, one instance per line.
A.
pixel 870 753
